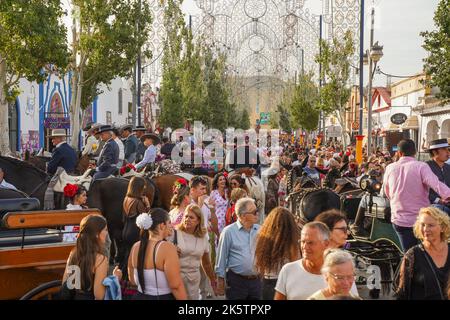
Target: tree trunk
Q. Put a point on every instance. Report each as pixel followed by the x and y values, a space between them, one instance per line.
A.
pixel 344 136
pixel 4 126
pixel 75 108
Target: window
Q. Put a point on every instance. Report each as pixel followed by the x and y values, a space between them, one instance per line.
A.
pixel 108 117
pixel 120 102
pixel 130 107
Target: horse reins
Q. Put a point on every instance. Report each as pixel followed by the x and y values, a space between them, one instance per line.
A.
pixel 39 185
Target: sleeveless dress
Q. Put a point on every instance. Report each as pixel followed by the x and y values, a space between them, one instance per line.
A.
pixel 192 250
pixel 221 208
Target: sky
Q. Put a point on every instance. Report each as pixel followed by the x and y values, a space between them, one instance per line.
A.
pixel 397 27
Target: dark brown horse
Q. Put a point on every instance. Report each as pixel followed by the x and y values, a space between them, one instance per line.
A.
pixel 40 162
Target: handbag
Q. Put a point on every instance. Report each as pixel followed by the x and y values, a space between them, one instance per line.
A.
pixel 65 293
pixel 432 269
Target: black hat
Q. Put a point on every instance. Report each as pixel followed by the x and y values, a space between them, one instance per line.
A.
pixel 127 127
pixel 140 128
pixel 105 128
pixel 154 137
pixel 438 144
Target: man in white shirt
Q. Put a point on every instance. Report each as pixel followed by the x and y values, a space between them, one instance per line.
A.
pixel 3 183
pixel 300 279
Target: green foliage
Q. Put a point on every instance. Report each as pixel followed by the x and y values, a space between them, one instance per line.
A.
pixel 244 123
pixel 304 107
pixel 32 41
pixel 109 36
pixel 437 43
pixel 285 121
pixel 335 60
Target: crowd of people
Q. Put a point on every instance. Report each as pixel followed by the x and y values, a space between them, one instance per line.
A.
pixel 210 243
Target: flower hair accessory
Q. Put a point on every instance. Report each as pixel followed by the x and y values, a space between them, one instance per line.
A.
pixel 144 221
pixel 225 174
pixel 127 168
pixel 178 184
pixel 70 190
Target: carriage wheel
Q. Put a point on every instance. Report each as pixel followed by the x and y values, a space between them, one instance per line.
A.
pixel 46 291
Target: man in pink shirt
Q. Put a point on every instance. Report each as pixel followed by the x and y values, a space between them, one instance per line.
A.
pixel 406 184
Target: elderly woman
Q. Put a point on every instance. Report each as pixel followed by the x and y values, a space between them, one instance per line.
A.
pixel 425 267
pixel 339 272
pixel 337 223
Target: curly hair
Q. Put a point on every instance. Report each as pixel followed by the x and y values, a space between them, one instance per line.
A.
pixel 179 195
pixel 277 241
pixel 441 218
pixel 215 182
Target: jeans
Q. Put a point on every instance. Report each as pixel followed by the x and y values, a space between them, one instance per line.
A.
pixel 442 208
pixel 268 291
pixel 406 236
pixel 238 288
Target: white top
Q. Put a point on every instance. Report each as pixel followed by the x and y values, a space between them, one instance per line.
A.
pixel 150 280
pixel 7 185
pixel 71 237
pixel 298 284
pixel 121 150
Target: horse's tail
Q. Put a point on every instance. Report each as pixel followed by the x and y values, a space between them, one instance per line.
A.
pixel 156 197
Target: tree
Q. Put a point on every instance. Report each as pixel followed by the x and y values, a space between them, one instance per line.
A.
pixel 171 91
pixel 334 95
pixel 244 124
pixel 304 106
pixel 106 37
pixel 32 45
pixel 285 121
pixel 437 43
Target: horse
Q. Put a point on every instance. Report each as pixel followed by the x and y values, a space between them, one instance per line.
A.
pixel 25 177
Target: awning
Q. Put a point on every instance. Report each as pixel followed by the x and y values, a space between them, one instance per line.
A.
pixel 411 123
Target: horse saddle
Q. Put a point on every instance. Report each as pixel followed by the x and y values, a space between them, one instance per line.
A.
pixel 64 178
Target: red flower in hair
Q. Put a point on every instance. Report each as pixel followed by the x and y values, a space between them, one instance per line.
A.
pixel 225 174
pixel 178 184
pixel 70 190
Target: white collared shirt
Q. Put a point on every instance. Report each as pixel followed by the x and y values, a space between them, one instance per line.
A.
pixel 7 185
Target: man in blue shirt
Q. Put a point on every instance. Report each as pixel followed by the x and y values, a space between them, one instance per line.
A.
pixel 63 155
pixel 109 157
pixel 236 255
pixel 150 140
pixel 130 143
pixel 311 170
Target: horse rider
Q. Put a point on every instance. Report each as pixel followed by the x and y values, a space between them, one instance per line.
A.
pixel 130 143
pixel 90 142
pixel 3 183
pixel 63 155
pixel 100 142
pixel 116 137
pixel 109 157
pixel 439 153
pixel 139 132
pixel 150 140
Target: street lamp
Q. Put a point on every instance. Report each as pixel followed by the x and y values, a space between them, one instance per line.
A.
pixel 374 56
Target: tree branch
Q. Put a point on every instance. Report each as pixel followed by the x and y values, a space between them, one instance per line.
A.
pixel 12 82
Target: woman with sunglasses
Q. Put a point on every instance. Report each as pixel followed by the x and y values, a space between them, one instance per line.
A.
pixel 337 223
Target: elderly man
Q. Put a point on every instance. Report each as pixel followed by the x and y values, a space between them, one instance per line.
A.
pixel 236 254
pixel 311 171
pixel 109 157
pixel 3 183
pixel 150 141
pixel 63 155
pixel 407 184
pixel 130 142
pixel 300 279
pixel 90 141
pixel 139 132
pixel 439 153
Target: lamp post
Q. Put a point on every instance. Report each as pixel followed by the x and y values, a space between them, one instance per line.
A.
pixel 375 54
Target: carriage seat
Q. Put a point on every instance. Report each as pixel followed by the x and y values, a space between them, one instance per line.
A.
pixel 13 238
pixel 19 204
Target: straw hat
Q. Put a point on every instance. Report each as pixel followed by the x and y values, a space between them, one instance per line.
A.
pixel 58 133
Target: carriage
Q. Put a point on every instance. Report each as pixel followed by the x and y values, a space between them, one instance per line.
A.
pixel 32 251
pixel 380 248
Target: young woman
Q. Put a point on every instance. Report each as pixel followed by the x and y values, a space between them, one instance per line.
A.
pixel 153 265
pixel 89 256
pixel 236 194
pixel 134 204
pixel 194 251
pixel 277 244
pixel 220 197
pixel 77 196
pixel 180 200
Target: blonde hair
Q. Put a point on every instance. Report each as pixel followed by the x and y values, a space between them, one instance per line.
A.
pixel 200 230
pixel 237 193
pixel 442 219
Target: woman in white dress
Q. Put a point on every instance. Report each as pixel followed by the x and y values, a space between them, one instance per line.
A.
pixel 193 247
pixel 221 198
pixel 77 195
pixel 179 202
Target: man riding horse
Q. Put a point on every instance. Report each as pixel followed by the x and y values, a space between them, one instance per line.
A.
pixel 63 155
pixel 109 156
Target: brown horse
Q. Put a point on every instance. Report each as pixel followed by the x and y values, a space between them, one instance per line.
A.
pixel 40 162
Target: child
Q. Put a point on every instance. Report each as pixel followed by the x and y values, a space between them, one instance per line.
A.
pixel 77 196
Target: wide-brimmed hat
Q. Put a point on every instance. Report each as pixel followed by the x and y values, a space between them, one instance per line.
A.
pixel 105 128
pixel 58 133
pixel 88 126
pixel 438 144
pixel 128 127
pixel 140 128
pixel 154 137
